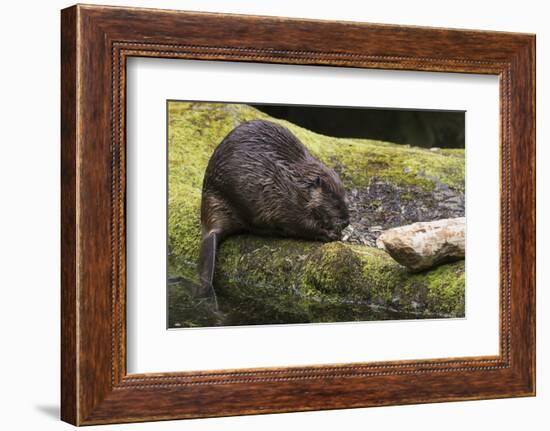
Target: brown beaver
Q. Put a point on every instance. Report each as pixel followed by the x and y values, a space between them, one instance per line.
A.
pixel 261 179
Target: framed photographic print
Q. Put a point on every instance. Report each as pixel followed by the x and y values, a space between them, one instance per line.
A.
pixel 264 214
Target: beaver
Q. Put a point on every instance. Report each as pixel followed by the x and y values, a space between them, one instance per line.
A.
pixel 262 180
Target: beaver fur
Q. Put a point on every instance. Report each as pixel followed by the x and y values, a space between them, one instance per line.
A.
pixel 262 180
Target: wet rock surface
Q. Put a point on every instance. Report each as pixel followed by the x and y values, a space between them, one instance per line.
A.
pixel 382 206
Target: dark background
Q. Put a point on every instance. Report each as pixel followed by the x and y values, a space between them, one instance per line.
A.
pixel 443 129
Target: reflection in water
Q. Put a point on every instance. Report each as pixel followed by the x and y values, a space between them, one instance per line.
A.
pixel 187 310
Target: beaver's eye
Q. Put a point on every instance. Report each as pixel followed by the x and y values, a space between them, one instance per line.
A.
pixel 317 182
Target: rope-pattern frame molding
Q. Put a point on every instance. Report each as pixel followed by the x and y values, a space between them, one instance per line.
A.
pixel 123 49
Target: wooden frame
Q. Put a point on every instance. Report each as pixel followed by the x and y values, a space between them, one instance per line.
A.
pixel 96 41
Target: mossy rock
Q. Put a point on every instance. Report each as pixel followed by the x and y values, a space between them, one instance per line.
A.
pixel 271 280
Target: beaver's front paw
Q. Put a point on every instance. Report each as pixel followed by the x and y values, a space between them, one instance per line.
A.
pixel 328 236
pixel 334 236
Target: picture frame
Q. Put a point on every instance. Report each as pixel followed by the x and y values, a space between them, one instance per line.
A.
pixel 96 42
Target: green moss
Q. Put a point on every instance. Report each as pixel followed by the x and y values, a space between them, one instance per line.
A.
pixel 263 261
pixel 331 269
pixel 407 196
pixel 364 159
pixel 380 274
pixel 438 292
pixel 269 280
pixel 375 204
pixel 195 129
pixel 259 279
pixel 183 229
pixel 445 286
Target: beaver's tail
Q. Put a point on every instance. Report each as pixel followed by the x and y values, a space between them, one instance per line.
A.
pixel 207 264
